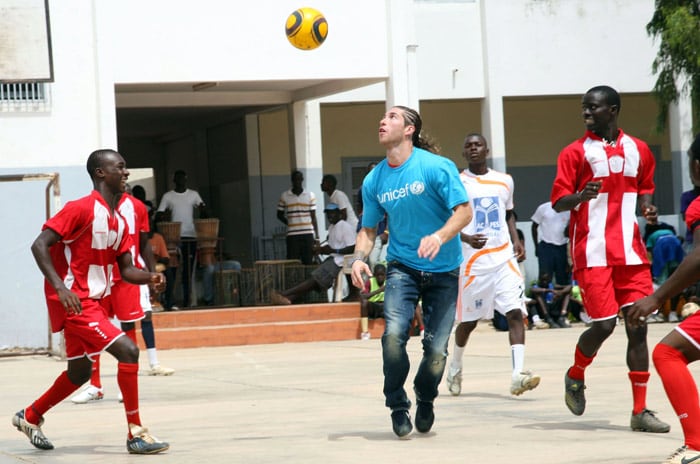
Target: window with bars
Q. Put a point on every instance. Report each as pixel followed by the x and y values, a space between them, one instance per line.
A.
pixel 24 97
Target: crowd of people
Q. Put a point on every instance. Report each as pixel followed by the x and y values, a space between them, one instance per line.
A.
pixel 450 257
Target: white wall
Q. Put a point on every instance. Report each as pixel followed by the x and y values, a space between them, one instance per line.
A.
pixel 500 48
pixel 69 132
pixel 450 56
pixel 547 47
pixel 567 46
pixel 222 40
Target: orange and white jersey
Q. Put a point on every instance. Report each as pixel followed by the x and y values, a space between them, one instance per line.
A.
pixel 490 195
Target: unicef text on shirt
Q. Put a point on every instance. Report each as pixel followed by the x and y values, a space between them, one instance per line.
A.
pixel 416 188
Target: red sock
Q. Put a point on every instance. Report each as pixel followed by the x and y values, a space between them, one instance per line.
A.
pixel 581 362
pixel 639 390
pixel 681 390
pixel 127 378
pixel 59 391
pixel 95 376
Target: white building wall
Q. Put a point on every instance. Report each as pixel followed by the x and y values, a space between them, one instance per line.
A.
pixel 69 131
pixel 465 50
pixel 556 47
pixel 218 40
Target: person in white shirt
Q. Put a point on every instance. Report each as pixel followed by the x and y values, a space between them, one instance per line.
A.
pixel 490 278
pixel 329 185
pixel 341 241
pixel 181 203
pixel 550 235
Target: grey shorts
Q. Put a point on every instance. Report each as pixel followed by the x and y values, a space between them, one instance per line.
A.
pixel 325 274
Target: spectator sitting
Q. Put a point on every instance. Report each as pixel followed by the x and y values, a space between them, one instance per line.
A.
pixel 372 299
pixel 536 314
pixel 341 241
pixel 553 300
pixel 227 264
pixel 664 248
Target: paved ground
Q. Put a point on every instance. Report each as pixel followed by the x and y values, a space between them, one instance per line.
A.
pixel 322 403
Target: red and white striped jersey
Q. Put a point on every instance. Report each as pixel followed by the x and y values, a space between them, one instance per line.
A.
pixel 135 214
pixel 604 231
pixel 91 239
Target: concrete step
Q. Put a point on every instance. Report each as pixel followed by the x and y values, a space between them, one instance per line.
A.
pixel 260 325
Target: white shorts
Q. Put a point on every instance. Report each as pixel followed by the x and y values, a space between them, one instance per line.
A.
pixel 501 289
pixel 145 298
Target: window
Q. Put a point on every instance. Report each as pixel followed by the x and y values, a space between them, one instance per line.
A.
pixel 354 171
pixel 24 97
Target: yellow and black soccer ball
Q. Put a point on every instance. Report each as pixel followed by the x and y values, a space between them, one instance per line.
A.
pixel 306 28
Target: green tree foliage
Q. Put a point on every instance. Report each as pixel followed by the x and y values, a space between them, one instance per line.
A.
pixel 677 24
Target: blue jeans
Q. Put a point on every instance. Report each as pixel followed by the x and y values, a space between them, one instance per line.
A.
pixel 438 294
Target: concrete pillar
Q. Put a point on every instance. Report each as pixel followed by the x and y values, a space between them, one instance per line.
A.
pixel 402 85
pixel 307 151
pixel 681 135
pixel 492 123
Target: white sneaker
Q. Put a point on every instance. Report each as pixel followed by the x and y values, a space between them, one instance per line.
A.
pixel 689 309
pixel 523 382
pixel 454 383
pixel 585 318
pixel 655 318
pixel 541 325
pixel 160 370
pixel 90 393
pixel 364 336
pixel 683 455
pixel 672 317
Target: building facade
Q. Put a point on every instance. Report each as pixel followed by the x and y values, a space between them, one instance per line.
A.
pixel 214 88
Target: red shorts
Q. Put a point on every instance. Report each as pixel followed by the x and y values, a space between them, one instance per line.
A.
pixel 125 302
pixel 607 289
pixel 89 333
pixel 690 329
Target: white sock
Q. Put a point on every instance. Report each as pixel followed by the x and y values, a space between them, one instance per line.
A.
pixel 456 362
pixel 152 357
pixel 517 353
pixel 536 318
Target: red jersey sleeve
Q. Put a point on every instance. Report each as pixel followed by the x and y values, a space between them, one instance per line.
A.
pixel 143 224
pixel 69 222
pixel 645 179
pixel 565 182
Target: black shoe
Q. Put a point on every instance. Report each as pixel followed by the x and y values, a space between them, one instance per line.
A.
pixel 424 416
pixel 401 422
pixel 574 395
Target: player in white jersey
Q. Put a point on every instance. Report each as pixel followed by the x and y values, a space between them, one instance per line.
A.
pixel 490 277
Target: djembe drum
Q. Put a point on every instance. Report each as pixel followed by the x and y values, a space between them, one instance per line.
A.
pixel 171 234
pixel 270 275
pixel 207 236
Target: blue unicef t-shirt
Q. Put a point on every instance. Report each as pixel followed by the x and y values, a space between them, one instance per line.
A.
pixel 418 197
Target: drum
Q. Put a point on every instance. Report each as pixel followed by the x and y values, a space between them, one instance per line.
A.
pixel 227 288
pixel 246 290
pixel 171 234
pixel 207 235
pixel 270 275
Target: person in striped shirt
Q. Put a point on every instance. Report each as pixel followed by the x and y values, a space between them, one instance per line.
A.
pixel 297 210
